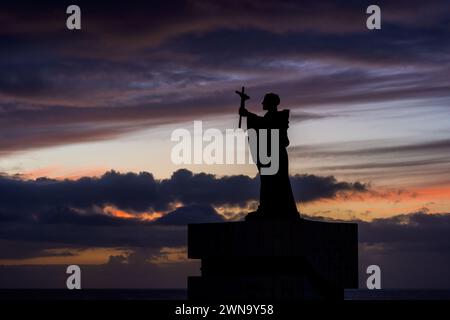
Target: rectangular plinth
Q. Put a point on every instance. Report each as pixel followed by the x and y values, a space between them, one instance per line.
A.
pixel 269 238
pixel 240 254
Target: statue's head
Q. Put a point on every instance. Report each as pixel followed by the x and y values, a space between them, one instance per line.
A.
pixel 271 101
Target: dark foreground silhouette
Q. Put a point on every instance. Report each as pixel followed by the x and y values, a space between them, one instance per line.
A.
pixel 273 255
pixel 273 260
pixel 276 197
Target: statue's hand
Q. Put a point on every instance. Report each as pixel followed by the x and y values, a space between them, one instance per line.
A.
pixel 243 112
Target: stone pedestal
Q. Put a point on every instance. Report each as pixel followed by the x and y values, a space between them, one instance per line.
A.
pixel 273 260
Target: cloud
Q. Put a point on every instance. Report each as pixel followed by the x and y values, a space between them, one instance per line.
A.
pixel 161 65
pixel 413 232
pixel 191 214
pixel 12 249
pixel 50 218
pixel 411 249
pixel 59 87
pixel 313 188
pixel 59 214
pixel 384 160
pixel 356 150
pixel 59 200
pixel 387 165
pixel 305 116
pixel 55 236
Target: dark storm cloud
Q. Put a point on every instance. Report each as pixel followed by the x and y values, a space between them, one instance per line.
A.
pixel 413 250
pixel 141 192
pixel 414 232
pixel 130 191
pixel 308 187
pixel 70 213
pixel 144 63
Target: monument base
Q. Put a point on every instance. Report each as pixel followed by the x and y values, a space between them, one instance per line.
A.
pixel 273 260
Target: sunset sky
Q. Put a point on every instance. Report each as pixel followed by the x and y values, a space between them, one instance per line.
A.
pixel 86 119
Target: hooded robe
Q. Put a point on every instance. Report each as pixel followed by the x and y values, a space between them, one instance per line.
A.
pixel 276 197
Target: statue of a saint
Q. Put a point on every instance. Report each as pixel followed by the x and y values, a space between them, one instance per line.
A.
pixel 276 197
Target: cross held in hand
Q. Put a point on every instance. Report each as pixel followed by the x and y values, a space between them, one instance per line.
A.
pixel 243 95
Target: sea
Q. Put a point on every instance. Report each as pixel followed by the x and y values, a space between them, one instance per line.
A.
pixel 181 294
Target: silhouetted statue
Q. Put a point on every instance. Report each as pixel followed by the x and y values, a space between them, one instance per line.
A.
pixel 276 198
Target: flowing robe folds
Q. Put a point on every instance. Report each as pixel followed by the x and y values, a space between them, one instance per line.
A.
pixel 276 198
